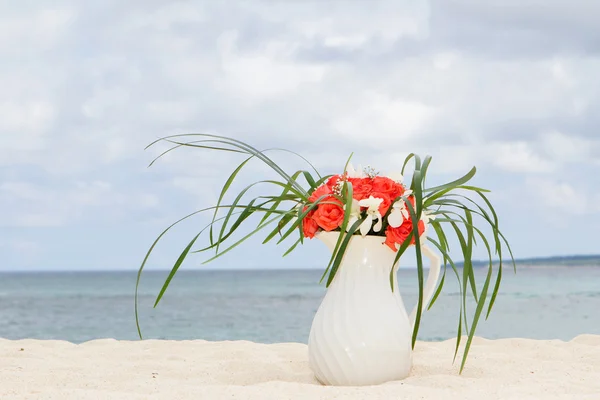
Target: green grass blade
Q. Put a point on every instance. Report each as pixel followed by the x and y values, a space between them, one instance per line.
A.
pixel 179 145
pixel 175 268
pixel 284 193
pixel 458 335
pixel 466 272
pixel 237 201
pixel 288 251
pixel 415 216
pixel 238 144
pixel 455 269
pixel 495 292
pixel 226 186
pixel 456 183
pixel 139 274
pixel 437 291
pixel 342 250
pixel 469 250
pixel 424 167
pixel 227 250
pixel 407 160
pixel 309 179
pixel 478 310
pixel 280 225
pixel 347 190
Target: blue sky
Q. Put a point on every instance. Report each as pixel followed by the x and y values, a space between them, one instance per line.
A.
pixel 511 87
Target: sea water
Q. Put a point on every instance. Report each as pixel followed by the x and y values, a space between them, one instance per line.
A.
pixel 276 305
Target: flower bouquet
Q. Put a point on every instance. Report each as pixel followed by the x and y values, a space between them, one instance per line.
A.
pixel 361 333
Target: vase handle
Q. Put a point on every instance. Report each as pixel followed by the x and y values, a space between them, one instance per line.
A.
pixel 432 278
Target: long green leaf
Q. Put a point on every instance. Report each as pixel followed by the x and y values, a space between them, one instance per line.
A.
pixel 139 274
pixel 178 263
pixel 228 249
pixel 283 194
pixel 455 269
pixel 456 183
pixel 478 310
pixel 237 200
pixel 415 217
pixel 288 251
pixel 235 143
pixel 226 186
pixel 437 291
pixel 339 250
pixel 342 250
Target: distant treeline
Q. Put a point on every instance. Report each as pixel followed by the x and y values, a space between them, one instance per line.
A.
pixel 570 261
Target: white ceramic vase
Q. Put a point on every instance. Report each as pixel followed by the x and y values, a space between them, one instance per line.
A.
pixel 361 333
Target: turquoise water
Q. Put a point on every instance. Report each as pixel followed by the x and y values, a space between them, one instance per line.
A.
pixel 273 306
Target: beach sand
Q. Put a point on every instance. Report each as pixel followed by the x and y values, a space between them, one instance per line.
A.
pixel 155 369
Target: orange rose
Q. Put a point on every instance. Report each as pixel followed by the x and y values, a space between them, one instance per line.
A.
pixel 399 190
pixel 361 188
pixel 309 226
pixel 320 191
pixel 385 185
pixel 331 182
pixel 329 216
pixel 398 235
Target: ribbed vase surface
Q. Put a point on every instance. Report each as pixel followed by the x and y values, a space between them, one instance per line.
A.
pixel 361 333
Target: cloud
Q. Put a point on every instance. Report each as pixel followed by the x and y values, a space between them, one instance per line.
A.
pixel 564 197
pixel 38 205
pixel 567 149
pixel 531 29
pixel 518 157
pixel 509 87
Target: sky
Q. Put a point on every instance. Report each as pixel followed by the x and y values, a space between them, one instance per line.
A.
pixel 512 87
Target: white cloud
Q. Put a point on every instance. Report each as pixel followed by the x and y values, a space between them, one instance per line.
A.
pixel 265 74
pixel 103 100
pixel 33 205
pixel 38 30
pixel 335 23
pixel 518 157
pixel 30 117
pixel 378 119
pixel 566 148
pixel 87 85
pixel 562 198
pixel 166 16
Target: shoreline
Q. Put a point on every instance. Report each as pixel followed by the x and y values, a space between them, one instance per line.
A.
pixel 197 369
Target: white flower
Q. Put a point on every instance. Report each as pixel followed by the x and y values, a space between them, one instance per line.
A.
pixel 372 204
pixel 355 173
pixel 399 211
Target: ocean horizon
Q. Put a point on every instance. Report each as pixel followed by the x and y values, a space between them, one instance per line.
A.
pixel 270 306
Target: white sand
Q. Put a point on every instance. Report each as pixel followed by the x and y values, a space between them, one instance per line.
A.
pixel 108 369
